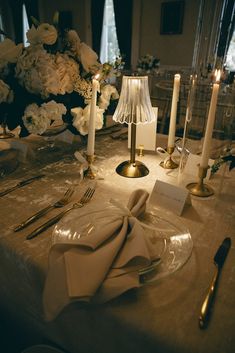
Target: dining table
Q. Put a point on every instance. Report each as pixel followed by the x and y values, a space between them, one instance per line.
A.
pixel 160 316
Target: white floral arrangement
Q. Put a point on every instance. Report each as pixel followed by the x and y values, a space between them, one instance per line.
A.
pixel 37 119
pixel 148 63
pixel 6 94
pixel 51 78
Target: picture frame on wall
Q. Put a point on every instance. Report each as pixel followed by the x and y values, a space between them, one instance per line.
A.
pixel 172 15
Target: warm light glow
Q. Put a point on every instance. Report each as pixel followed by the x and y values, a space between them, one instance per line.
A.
pixel 217 75
pixel 97 76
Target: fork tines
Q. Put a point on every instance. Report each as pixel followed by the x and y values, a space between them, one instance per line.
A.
pixel 88 194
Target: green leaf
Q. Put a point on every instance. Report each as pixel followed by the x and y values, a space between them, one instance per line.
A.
pixel 35 21
pixel 55 19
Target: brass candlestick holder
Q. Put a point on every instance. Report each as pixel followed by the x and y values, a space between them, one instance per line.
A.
pixel 5 134
pixel 200 189
pixel 89 173
pixel 168 163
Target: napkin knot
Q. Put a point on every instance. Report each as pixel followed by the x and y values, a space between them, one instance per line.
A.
pixel 94 253
pixel 125 210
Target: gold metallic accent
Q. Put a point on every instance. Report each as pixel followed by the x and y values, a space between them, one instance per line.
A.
pixel 89 173
pixel 80 203
pixel 141 151
pixel 58 204
pixel 5 134
pixel 206 306
pixel 200 189
pixel 132 168
pixel 168 163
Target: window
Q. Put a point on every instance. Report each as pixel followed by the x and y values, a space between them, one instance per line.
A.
pixel 109 49
pixel 25 25
pixel 1 27
pixel 230 57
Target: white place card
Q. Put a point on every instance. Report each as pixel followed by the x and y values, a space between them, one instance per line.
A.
pixel 191 166
pixel 170 197
pixel 145 134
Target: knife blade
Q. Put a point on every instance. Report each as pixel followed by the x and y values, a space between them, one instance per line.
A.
pixel 219 260
pixel 21 183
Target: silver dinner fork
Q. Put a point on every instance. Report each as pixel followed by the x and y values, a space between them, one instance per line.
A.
pixel 58 204
pixel 84 199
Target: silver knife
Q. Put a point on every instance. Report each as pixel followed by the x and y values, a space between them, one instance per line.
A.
pixel 219 259
pixel 20 184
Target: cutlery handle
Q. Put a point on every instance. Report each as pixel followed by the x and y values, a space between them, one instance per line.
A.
pixel 9 190
pixel 47 224
pixel 33 218
pixel 208 301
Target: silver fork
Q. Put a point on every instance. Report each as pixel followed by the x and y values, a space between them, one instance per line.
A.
pixel 58 204
pixel 84 199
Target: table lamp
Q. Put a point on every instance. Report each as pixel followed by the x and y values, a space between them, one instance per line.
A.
pixel 134 107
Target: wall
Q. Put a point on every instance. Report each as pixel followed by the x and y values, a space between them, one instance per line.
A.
pixel 78 9
pixel 176 49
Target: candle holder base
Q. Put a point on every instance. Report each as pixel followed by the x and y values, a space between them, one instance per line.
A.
pixel 168 163
pixel 6 135
pixel 200 189
pixel 89 173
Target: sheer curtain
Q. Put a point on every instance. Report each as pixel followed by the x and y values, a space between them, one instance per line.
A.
pixel 1 28
pixel 109 50
pixel 16 6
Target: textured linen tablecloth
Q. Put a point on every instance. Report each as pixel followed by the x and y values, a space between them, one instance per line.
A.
pixel 162 317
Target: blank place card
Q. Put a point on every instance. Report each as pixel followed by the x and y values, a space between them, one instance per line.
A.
pixel 170 197
pixel 145 134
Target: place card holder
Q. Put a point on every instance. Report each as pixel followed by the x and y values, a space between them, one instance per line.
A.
pixel 170 197
pixel 145 135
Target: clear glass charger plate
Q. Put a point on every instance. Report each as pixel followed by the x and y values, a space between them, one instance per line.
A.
pixel 169 239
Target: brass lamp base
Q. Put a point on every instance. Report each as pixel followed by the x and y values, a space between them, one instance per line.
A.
pixel 132 170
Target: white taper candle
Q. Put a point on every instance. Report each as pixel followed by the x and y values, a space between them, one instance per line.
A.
pixel 91 130
pixel 175 98
pixel 210 122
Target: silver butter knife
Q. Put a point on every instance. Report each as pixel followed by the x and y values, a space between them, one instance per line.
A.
pixel 21 183
pixel 219 260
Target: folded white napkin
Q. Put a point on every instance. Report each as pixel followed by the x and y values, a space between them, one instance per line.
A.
pixel 99 257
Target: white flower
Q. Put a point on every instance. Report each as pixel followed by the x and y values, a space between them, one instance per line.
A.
pixel 38 119
pixel 81 119
pixel 33 35
pixel 53 110
pixel 9 52
pixel 44 73
pixel 34 122
pixel 44 34
pixel 107 92
pixel 89 58
pixel 73 42
pixel 6 95
pixel 47 33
